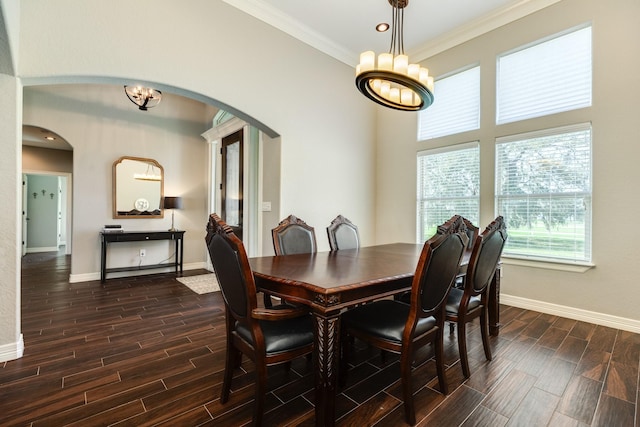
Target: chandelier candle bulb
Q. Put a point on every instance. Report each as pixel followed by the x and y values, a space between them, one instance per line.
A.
pixel 406 96
pixel 394 95
pixel 400 64
pixel 424 75
pixel 414 71
pixel 367 61
pixel 385 61
pixel 385 88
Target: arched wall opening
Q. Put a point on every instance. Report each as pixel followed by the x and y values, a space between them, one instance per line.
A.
pixel 102 125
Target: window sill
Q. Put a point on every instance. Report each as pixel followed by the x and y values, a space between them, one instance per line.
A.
pixel 574 267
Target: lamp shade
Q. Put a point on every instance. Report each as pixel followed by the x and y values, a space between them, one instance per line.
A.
pixel 172 203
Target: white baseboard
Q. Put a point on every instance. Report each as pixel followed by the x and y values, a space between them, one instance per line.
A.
pixel 615 322
pixel 42 249
pixel 12 351
pixel 87 277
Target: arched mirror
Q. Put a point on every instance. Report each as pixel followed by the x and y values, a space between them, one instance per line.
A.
pixel 138 186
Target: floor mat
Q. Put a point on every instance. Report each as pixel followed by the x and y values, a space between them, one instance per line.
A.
pixel 201 284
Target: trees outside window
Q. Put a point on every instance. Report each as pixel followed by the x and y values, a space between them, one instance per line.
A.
pixel 448 184
pixel 543 189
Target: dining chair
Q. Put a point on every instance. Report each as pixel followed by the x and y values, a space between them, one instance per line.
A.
pixel 455 224
pixel 472 232
pixel 267 336
pixel 397 327
pixel 458 223
pixel 464 305
pixel 343 234
pixel 293 236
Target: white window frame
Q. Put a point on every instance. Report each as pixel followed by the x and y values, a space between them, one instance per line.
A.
pixel 532 253
pixel 549 76
pixel 456 108
pixel 421 233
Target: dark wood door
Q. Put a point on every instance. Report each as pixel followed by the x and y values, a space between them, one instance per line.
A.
pixel 232 181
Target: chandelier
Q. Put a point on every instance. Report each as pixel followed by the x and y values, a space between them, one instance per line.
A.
pixel 393 81
pixel 149 175
pixel 143 97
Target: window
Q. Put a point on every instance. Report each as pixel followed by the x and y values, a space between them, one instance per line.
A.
pixel 448 184
pixel 547 78
pixel 543 190
pixel 456 107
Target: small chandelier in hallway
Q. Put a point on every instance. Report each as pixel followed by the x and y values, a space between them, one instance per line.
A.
pixel 143 97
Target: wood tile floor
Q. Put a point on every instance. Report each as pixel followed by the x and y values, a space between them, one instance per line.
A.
pixel 148 351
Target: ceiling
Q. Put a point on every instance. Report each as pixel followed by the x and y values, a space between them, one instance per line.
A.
pixel 344 28
pixel 37 137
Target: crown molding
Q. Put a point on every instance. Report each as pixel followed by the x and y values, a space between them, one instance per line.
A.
pixel 480 26
pixel 287 24
pixel 270 15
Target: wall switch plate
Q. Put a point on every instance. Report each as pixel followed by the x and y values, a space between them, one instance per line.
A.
pixel 266 206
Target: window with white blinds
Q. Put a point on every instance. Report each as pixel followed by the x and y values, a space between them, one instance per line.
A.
pixel 456 107
pixel 448 184
pixel 549 77
pixel 543 190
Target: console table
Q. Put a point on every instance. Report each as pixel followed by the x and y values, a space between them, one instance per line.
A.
pixel 140 236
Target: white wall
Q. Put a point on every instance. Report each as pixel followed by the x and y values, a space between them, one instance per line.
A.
pixel 308 100
pixel 11 345
pixel 9 28
pixel 610 290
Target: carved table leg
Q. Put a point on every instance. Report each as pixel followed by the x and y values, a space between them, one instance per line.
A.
pixel 494 303
pixel 326 360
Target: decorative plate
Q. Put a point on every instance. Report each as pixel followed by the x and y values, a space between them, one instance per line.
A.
pixel 142 204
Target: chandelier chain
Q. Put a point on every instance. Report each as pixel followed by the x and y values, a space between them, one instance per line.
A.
pixel 397 27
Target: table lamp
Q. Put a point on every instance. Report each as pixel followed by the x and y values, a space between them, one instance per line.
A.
pixel 172 203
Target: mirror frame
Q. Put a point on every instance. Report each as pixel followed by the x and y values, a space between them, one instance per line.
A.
pixel 114 186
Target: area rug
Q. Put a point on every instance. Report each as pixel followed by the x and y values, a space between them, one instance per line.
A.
pixel 201 284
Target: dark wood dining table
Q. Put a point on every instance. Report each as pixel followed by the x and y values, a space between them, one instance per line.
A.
pixel 329 282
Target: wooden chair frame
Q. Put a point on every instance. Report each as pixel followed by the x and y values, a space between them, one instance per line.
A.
pixel 484 260
pixel 332 230
pixel 240 301
pixel 423 304
pixel 458 223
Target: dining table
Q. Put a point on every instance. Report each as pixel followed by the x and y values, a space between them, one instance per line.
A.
pixel 331 282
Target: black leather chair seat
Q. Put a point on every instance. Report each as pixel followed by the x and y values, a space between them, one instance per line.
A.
pixel 385 319
pixel 454 298
pixel 282 335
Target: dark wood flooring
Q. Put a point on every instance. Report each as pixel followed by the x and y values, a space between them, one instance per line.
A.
pixel 149 351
